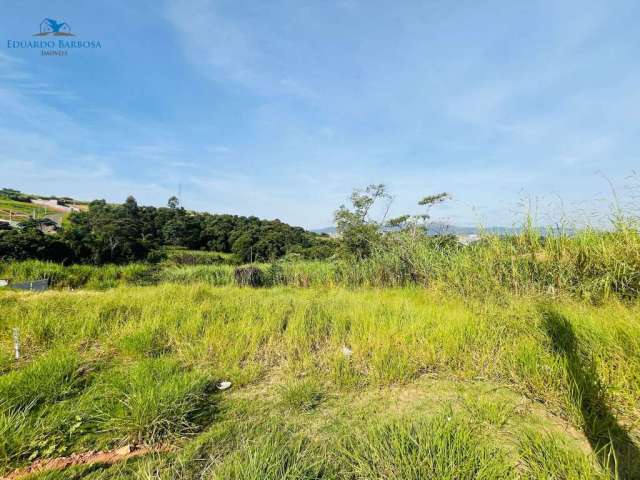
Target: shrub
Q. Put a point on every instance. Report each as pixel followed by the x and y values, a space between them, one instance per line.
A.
pixel 248 276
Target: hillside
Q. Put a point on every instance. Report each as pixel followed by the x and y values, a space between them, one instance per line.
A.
pixel 101 232
pixel 17 206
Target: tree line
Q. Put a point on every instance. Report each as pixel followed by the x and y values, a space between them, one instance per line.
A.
pixel 128 232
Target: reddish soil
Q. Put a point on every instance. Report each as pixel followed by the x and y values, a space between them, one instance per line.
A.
pixel 84 458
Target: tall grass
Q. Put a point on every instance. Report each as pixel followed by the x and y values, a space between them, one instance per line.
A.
pixel 291 273
pixel 137 364
pixel 182 256
pixel 77 276
pixel 174 405
pixel 440 448
pixel 590 264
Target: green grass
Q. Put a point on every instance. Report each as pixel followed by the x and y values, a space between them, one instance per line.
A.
pixel 176 256
pixel 589 265
pixel 23 208
pixel 297 274
pixel 302 394
pixel 545 456
pixel 78 276
pixel 276 455
pixel 140 364
pixel 52 377
pixel 439 448
pixel 135 412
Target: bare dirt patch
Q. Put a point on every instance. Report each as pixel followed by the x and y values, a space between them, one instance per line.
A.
pixel 84 458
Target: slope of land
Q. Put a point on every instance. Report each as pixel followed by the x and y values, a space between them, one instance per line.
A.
pixel 29 206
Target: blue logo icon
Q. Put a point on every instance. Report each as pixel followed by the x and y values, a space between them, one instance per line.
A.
pixel 55 47
pixel 48 26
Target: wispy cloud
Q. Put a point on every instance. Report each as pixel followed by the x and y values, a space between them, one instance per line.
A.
pixel 280 109
pixel 223 48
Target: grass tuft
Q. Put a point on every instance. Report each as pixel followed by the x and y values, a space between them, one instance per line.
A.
pixel 304 395
pixel 546 457
pixel 441 448
pixel 154 400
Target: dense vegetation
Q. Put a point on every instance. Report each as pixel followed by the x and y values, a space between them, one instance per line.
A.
pixel 187 247
pixel 106 233
pixel 591 265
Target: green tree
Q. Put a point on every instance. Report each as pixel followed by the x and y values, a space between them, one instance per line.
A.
pixel 31 243
pixel 173 202
pixel 359 232
pixel 107 233
pixel 418 223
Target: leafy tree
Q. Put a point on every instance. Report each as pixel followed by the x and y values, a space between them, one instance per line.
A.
pixel 359 232
pixel 108 233
pixel 418 223
pixel 31 243
pixel 243 245
pixel 173 202
pixel 216 231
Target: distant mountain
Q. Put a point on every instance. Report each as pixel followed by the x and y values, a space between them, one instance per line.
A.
pixel 437 228
pixel 327 230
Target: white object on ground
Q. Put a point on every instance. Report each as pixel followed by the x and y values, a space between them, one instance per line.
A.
pixel 4 283
pixel 16 343
pixel 346 351
pixel 223 385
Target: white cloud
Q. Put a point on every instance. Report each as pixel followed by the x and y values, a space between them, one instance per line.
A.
pixel 224 49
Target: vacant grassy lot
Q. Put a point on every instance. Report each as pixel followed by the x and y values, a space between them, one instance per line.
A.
pixel 327 383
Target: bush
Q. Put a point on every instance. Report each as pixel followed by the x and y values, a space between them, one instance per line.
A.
pixel 248 276
pixel 31 243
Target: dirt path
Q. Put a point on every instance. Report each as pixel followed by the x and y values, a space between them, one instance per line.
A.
pixel 85 458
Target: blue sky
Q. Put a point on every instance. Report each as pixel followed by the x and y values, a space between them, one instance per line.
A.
pixel 280 108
